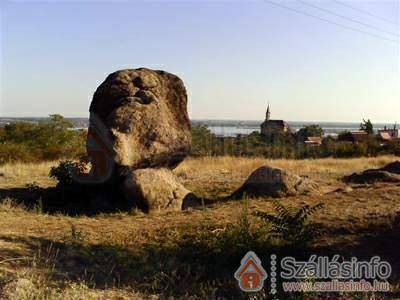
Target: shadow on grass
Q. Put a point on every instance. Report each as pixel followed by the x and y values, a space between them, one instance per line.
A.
pixel 377 240
pixel 196 263
pixel 70 201
pixel 75 201
pixel 46 200
pixel 192 265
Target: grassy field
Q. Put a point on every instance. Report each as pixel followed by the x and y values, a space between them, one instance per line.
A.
pixel 130 255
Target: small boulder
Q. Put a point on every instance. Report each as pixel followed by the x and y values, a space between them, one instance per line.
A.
pixel 154 189
pixel 273 182
pixel 389 173
pixel 393 167
pixel 372 176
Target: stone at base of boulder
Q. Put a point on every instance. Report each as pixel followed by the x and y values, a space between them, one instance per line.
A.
pixel 156 189
pixel 272 182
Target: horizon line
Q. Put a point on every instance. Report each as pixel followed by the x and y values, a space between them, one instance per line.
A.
pixel 225 120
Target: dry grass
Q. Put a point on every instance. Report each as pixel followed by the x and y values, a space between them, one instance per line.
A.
pixel 20 174
pixel 98 257
pixel 245 165
pixel 218 176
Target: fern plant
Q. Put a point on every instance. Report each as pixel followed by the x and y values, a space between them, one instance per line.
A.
pixel 292 224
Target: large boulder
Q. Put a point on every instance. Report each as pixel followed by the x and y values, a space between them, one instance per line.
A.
pixel 144 114
pixel 272 182
pixel 155 189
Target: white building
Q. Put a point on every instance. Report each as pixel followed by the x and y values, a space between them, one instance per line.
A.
pixel 389 134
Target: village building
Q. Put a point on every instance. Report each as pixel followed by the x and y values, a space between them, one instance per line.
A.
pixel 389 134
pixel 354 136
pixel 269 126
pixel 313 141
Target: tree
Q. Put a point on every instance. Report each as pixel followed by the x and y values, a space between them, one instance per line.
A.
pixel 367 126
pixel 47 140
pixel 309 130
pixel 202 140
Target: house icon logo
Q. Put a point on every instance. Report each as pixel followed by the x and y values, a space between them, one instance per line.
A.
pixel 250 275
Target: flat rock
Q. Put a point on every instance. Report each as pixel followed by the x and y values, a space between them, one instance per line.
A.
pixel 272 182
pixel 389 173
pixel 372 176
pixel 393 167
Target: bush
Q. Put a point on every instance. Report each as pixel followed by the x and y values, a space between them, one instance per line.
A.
pixel 48 140
pixel 308 131
pixel 65 171
pixel 202 141
pixel 13 152
pixel 394 148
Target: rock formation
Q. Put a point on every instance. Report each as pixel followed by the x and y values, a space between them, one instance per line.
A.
pixel 271 182
pixel 139 130
pixel 156 189
pixel 372 176
pixel 390 173
pixel 145 112
pixel 393 167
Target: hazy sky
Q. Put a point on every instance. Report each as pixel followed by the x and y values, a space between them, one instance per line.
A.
pixel 234 56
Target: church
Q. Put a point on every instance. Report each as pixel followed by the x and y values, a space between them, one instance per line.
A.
pixel 272 126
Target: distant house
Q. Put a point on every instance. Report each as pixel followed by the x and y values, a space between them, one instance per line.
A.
pixel 313 141
pixel 389 134
pixel 354 136
pixel 384 136
pixel 270 126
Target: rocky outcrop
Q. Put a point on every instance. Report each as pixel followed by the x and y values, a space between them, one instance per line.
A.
pixel 389 173
pixel 145 114
pixel 393 167
pixel 155 189
pixel 139 130
pixel 272 182
pixel 372 176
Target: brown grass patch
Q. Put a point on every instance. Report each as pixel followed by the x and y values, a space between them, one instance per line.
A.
pixel 92 251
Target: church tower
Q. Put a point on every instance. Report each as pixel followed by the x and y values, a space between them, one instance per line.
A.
pixel 268 114
pixel 270 127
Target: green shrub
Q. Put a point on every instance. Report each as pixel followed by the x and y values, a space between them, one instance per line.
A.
pixel 393 148
pixel 65 171
pixel 13 152
pixel 48 140
pixel 308 131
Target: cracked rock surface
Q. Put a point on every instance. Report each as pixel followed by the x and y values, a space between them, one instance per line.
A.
pixel 139 130
pixel 145 112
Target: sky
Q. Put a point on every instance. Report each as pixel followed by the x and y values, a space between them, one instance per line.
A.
pixel 234 57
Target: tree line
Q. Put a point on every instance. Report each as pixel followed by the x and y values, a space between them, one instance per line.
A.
pixel 55 138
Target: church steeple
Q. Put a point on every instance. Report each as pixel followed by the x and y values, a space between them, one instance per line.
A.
pixel 268 114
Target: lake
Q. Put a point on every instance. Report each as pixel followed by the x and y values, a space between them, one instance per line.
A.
pixel 227 127
pixel 232 128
